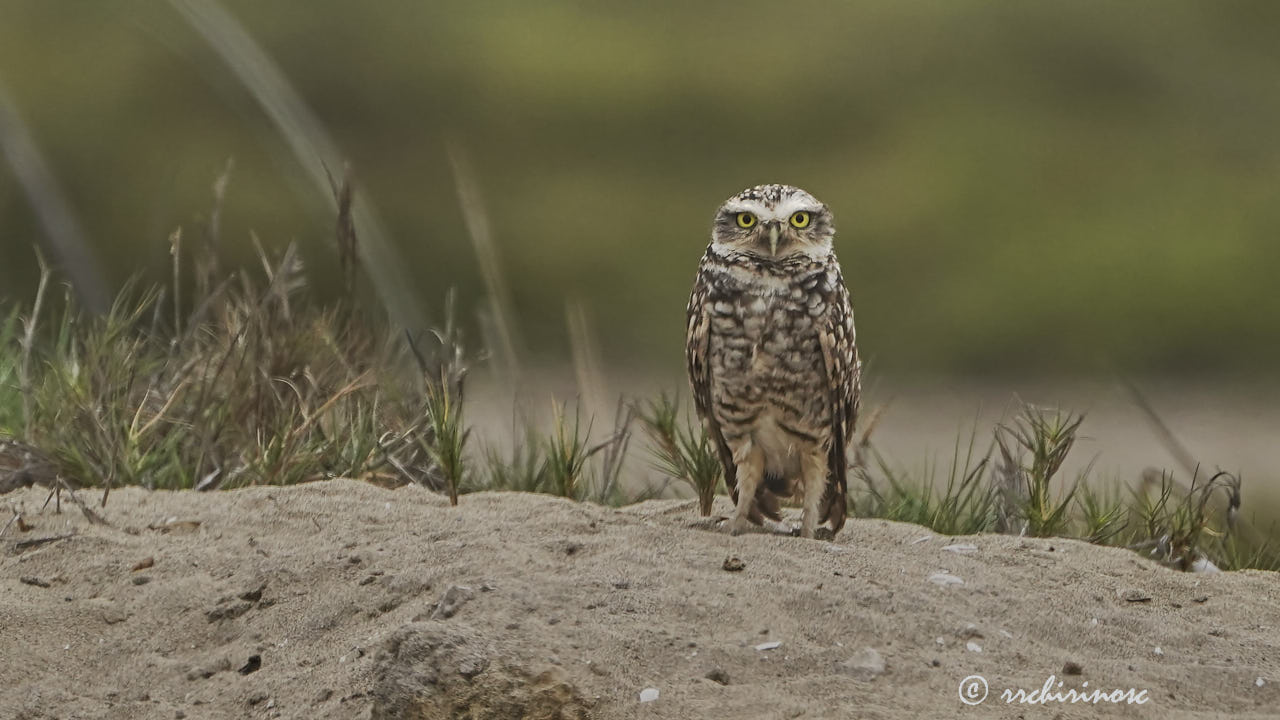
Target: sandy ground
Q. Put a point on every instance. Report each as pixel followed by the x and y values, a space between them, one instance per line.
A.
pixel 344 600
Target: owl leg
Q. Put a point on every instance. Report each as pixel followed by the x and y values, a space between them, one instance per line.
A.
pixel 750 461
pixel 813 469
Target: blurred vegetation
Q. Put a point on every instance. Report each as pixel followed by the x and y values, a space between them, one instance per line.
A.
pixel 1062 187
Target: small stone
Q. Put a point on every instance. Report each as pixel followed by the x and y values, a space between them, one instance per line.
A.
pixel 141 579
pixel 973 647
pixel 1158 651
pixel 935 662
pixel 1133 595
pixel 455 596
pixel 969 632
pixel 945 579
pixel 112 614
pixel 227 612
pixel 622 584
pixel 771 645
pixel 866 665
pixel 734 564
pixel 1072 668
pixel 1259 682
pixel 208 671
pixel 648 695
pixel 178 715
pixel 251 665
pixel 472 667
pixel 1200 599
pixel 254 594
pixel 718 675
pixel 257 698
pixel 143 564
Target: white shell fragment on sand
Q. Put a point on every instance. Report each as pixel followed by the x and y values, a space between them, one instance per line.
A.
pixel 919 540
pixel 648 694
pixel 1158 651
pixel 1204 565
pixel 961 548
pixel 771 645
pixel 945 579
pixel 1259 682
pixel 972 646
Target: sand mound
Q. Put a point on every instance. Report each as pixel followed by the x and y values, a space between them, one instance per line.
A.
pixel 343 600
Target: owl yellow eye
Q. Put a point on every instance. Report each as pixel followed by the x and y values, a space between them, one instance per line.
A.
pixel 800 219
pixel 746 219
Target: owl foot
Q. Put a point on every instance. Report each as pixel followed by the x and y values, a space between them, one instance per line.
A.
pixel 740 524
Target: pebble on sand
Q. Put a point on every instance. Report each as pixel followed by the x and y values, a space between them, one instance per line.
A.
pixel 648 695
pixel 945 579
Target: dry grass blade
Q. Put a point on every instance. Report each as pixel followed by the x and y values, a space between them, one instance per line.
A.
pixel 586 355
pixel 310 142
pixel 54 210
pixel 28 343
pixel 477 221
pixel 1171 442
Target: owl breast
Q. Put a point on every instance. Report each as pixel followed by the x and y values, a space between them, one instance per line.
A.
pixel 767 369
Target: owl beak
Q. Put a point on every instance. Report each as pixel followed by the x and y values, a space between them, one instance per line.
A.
pixel 773 239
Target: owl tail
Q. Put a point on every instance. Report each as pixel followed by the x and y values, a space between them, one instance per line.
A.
pixel 834 504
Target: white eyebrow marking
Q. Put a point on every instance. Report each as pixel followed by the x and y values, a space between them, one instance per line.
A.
pixel 764 213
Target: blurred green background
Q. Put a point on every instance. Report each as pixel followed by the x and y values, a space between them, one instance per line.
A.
pixel 1064 188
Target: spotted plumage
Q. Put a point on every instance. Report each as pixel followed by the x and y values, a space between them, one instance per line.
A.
pixel 772 356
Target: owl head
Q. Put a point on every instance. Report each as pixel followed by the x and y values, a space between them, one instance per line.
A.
pixel 773 222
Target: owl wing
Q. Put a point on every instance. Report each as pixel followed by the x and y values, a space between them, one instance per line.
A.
pixel 843 375
pixel 697 357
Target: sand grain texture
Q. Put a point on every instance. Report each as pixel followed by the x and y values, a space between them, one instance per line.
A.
pixel 344 600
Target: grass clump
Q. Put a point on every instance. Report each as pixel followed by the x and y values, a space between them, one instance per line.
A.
pixel 244 379
pixel 682 450
pixel 1189 528
pixel 1032 450
pixel 963 506
pixel 564 461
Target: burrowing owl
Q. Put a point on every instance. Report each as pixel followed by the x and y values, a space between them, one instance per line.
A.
pixel 772 356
